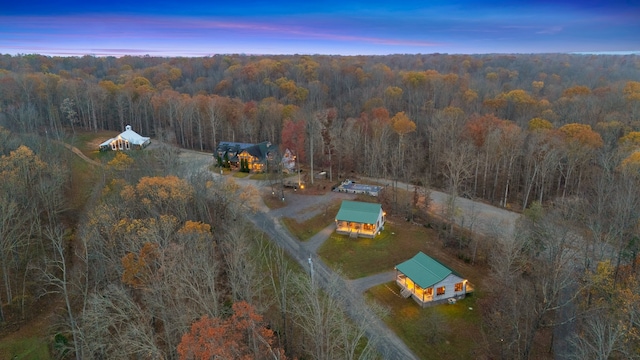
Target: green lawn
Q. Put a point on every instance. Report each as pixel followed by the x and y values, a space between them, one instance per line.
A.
pixel 24 349
pixel 363 256
pixel 240 174
pixel 87 141
pixel 436 332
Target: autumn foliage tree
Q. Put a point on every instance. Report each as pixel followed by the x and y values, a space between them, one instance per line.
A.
pixel 241 336
pixel 293 137
pixel 402 125
pixel 138 267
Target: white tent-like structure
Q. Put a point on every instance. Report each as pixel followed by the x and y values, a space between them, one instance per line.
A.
pixel 127 140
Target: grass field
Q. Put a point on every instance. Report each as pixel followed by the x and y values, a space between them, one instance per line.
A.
pixel 24 349
pixel 437 332
pixel 363 256
pixel 88 141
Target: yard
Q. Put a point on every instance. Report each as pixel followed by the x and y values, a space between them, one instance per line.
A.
pixel 398 242
pixel 449 331
pixel 306 229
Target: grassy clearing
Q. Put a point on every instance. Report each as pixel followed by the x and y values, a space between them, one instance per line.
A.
pixel 240 174
pixel 83 178
pixel 273 201
pixel 437 332
pixel 363 256
pixel 260 176
pixel 24 349
pixel 88 141
pixel 306 229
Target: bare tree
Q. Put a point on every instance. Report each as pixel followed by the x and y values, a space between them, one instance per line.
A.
pixel 57 278
pixel 116 327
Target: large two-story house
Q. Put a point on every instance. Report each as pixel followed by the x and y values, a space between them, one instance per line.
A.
pixel 254 157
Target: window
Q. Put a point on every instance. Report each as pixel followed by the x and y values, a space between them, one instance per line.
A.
pixel 440 290
pixel 458 287
pixel 429 291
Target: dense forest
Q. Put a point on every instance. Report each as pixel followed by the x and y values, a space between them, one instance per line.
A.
pixel 554 136
pixel 507 129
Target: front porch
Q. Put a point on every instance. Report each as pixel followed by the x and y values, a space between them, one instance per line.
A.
pixel 409 288
pixel 355 230
pixel 436 294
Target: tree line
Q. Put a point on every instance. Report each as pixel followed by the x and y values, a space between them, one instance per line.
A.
pixel 509 129
pixel 556 136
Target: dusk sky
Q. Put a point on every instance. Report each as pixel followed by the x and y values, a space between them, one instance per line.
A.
pixel 203 28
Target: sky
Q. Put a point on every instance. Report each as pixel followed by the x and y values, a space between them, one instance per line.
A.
pixel 331 27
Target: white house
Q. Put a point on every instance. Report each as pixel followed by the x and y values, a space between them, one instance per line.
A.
pixel 127 140
pixel 288 161
pixel 357 218
pixel 427 281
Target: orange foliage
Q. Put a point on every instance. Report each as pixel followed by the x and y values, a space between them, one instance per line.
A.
pixel 120 161
pixel 576 91
pixel 293 138
pixel 632 90
pixel 495 104
pixel 631 140
pixel 470 95
pixel 195 232
pixel 414 79
pixel 540 124
pixel 537 85
pixel 137 267
pixel 165 189
pixel 241 336
pixel 393 93
pixel 402 124
pixel 582 134
pixel 380 113
pixel 518 96
pixel 22 167
pixel 631 163
pixel 477 128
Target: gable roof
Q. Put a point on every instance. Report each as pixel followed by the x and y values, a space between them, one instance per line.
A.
pixel 424 270
pixel 228 145
pixel 260 150
pixel 131 136
pixel 360 212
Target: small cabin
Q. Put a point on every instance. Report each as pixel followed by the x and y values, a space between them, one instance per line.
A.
pixel 428 281
pixel 360 219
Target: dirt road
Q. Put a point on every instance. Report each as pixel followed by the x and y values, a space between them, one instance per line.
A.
pixel 476 216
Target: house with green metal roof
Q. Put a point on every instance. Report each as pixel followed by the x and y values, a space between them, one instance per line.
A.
pixel 428 281
pixel 359 219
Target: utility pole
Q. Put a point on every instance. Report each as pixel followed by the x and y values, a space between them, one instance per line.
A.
pixel 311 268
